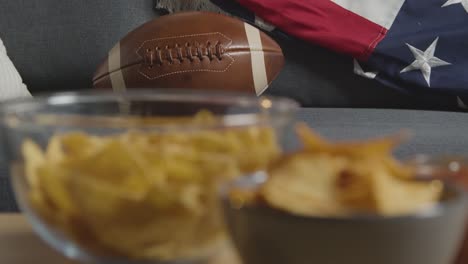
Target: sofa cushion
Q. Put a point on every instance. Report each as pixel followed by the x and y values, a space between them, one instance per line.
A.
pixel 56 45
pixel 60 44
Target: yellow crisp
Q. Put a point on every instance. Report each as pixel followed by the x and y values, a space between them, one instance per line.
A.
pixel 345 178
pixel 143 194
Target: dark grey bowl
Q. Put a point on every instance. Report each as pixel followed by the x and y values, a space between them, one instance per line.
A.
pixel 267 236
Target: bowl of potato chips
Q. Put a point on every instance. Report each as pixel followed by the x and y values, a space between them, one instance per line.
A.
pixel 347 202
pixel 132 177
pixel 450 168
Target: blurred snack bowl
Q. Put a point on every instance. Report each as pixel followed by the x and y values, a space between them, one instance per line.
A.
pixel 137 183
pixel 344 202
pixel 266 235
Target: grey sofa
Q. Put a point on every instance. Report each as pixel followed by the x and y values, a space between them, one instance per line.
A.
pixel 56 46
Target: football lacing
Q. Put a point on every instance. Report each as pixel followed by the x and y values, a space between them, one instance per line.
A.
pixel 158 56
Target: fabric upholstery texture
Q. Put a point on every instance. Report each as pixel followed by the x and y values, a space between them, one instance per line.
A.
pixel 57 45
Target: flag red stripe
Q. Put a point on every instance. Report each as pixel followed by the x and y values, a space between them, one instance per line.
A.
pixel 322 22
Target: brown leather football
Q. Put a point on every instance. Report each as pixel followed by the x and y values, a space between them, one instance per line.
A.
pixel 192 50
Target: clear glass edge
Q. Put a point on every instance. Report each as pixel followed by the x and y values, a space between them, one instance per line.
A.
pixel 285 106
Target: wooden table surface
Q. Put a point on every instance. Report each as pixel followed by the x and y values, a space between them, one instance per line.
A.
pixel 20 245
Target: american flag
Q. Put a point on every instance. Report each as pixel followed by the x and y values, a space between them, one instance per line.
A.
pixel 410 45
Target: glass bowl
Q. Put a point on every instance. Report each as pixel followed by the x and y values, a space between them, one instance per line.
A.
pixel 262 234
pixel 453 169
pixel 91 175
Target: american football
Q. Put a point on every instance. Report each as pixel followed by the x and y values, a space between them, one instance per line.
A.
pixel 192 50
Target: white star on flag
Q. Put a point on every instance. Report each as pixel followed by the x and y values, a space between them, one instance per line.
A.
pixel 453 2
pixel 460 103
pixel 359 71
pixel 425 61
